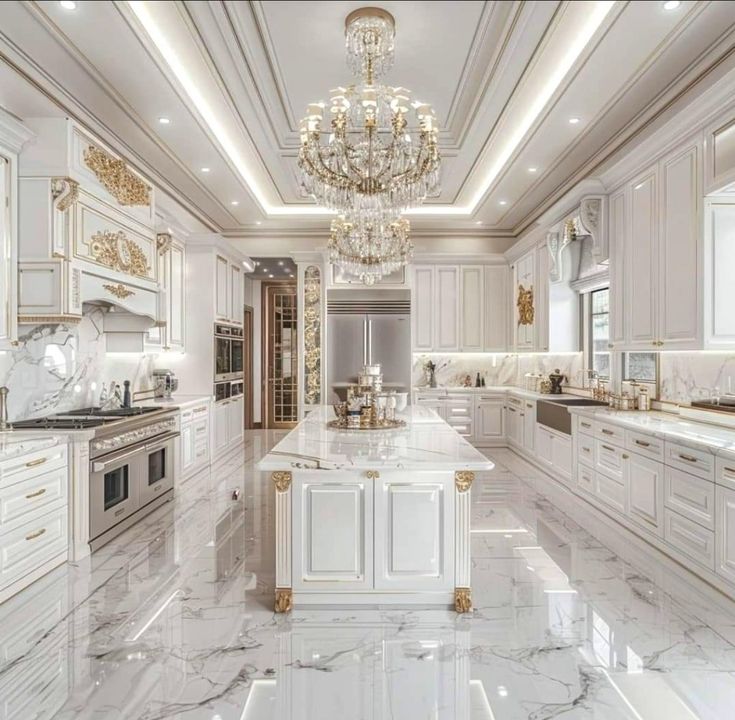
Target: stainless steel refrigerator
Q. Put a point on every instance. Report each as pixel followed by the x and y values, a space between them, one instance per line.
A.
pixel 365 327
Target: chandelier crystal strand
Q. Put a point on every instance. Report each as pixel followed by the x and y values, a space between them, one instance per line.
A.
pixel 368 250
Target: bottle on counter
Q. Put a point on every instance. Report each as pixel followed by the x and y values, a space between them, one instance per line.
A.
pixel 103 395
pixel 478 382
pixel 126 401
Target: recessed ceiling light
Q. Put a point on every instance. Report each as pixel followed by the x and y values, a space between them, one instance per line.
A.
pixel 205 169
pixel 270 275
pixel 503 202
pixel 478 222
pixel 265 269
pixel 532 169
pixel 670 5
pixel 257 222
pixel 280 262
pixel 290 274
pixel 235 202
pixel 573 120
pixel 68 5
pixel 164 121
pixel 257 262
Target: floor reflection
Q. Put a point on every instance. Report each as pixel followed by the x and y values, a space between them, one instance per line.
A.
pixel 174 620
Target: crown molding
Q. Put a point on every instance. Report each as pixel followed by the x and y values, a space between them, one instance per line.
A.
pixel 14 134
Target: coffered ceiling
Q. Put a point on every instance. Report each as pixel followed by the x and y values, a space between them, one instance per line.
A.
pixel 233 79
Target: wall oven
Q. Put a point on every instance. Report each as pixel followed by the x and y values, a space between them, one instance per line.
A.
pixel 228 352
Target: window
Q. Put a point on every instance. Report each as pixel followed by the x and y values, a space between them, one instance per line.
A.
pixel 600 332
pixel 639 366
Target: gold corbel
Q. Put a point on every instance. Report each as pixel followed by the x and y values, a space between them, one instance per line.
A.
pixel 462 599
pixel 282 480
pixel 463 480
pixel 284 600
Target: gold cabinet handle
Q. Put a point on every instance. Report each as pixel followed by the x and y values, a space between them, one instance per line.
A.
pixel 201 410
pixel 372 474
pixel 625 457
pixel 643 443
pixel 688 458
pixel 584 424
pixel 585 449
pixel 36 494
pixel 36 534
pixel 607 432
pixel 607 447
pixel 729 470
pixel 39 461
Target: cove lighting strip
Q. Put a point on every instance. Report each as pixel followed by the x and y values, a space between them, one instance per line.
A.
pixel 597 15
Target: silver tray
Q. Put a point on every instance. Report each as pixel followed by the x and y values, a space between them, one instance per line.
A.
pixel 341 424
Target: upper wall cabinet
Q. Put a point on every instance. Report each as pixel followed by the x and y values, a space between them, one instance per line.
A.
pixel 720 153
pixel 657 269
pixel 169 335
pixel 459 308
pixel 719 297
pixel 525 301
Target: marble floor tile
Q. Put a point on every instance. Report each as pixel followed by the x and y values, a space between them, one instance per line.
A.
pixel 174 619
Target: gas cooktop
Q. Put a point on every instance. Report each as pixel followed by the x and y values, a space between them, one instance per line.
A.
pixel 83 419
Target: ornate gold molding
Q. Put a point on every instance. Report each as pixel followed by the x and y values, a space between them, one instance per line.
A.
pixel 126 187
pixel 463 480
pixel 64 192
pixel 524 303
pixel 119 290
pixel 284 600
pixel 462 599
pixel 163 242
pixel 312 335
pixel 49 319
pixel 282 480
pixel 114 250
pixel 372 474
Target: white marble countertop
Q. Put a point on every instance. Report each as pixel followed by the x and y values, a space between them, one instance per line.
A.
pixel 499 389
pixel 14 443
pixel 426 443
pixel 666 426
pixel 177 400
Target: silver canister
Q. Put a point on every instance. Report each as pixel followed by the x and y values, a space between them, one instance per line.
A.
pixel 644 399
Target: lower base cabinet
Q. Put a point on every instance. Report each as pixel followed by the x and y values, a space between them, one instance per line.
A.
pixel 725 533
pixel 554 451
pixel 229 422
pixel 489 421
pixel 644 480
pixel 194 439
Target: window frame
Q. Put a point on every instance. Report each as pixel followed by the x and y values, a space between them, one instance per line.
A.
pixel 589 339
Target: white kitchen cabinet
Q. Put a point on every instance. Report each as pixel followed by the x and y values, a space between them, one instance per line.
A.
pixel 725 533
pixel 222 288
pixel 471 308
pixel 172 304
pixel 529 426
pixel 554 451
pixel 221 429
pixel 423 308
pixel 644 482
pixel 524 282
pixel 236 299
pixel 414 531
pixel 619 282
pixel 8 248
pixel 641 251
pixel 489 420
pixel 496 315
pixel 719 234
pixel 194 438
pixel 332 533
pixel 446 326
pixel 235 420
pixel 514 425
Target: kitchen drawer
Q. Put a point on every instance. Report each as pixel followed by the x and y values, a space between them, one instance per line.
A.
pixel 24 501
pixel 697 462
pixel 690 538
pixel 585 425
pixel 610 459
pixel 611 492
pixel 585 449
pixel 646 445
pixel 29 546
pixel 462 425
pixel 515 401
pixel 458 410
pixel 690 496
pixel 586 479
pixel 194 413
pixel 725 472
pixel 430 398
pixel 27 466
pixel 610 433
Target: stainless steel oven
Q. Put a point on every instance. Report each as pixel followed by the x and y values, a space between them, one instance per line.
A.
pixel 228 352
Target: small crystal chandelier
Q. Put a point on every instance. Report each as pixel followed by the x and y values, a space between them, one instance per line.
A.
pixel 370 250
pixel 378 154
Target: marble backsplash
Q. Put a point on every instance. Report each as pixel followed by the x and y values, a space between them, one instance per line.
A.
pixel 695 375
pixel 496 369
pixel 62 367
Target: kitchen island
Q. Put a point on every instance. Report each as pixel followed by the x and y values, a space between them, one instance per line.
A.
pixel 373 517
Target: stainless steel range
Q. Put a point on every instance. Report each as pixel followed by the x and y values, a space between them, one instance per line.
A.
pixel 131 468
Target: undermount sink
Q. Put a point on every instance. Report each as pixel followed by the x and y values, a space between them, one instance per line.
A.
pixel 554 413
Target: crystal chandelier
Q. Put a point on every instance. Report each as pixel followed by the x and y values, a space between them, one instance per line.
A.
pixel 370 250
pixel 375 154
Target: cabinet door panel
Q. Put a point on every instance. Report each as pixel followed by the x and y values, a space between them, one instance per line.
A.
pixel 680 271
pixel 414 529
pixel 446 304
pixel 175 329
pixel 645 484
pixel 725 534
pixel 423 307
pixel 332 534
pixel 618 248
pixel 641 255
pixel 489 422
pixel 221 425
pixel 720 293
pixel 471 311
pixel 236 308
pixel 222 289
pixel 496 313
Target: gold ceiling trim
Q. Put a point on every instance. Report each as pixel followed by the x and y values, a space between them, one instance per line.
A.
pixel 116 251
pixel 126 187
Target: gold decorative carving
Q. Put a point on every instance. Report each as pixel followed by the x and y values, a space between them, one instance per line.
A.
pixel 282 480
pixel 372 474
pixel 119 290
pixel 284 600
pixel 49 319
pixel 525 305
pixel 114 250
pixel 126 187
pixel 463 480
pixel 163 242
pixel 312 335
pixel 65 192
pixel 462 599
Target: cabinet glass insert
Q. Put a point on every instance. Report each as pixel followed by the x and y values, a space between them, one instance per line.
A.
pixel 156 466
pixel 117 486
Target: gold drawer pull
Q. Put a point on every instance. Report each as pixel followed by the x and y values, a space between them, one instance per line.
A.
pixel 585 449
pixel 584 424
pixel 201 410
pixel 36 534
pixel 608 432
pixel 372 474
pixel 607 447
pixel 729 470
pixel 36 494
pixel 625 457
pixel 688 458
pixel 642 443
pixel 39 461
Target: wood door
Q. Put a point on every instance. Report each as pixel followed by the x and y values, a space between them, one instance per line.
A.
pixel 644 480
pixel 414 531
pixel 280 361
pixel 332 533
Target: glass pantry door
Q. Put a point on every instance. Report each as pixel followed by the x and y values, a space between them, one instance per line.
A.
pixel 281 316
